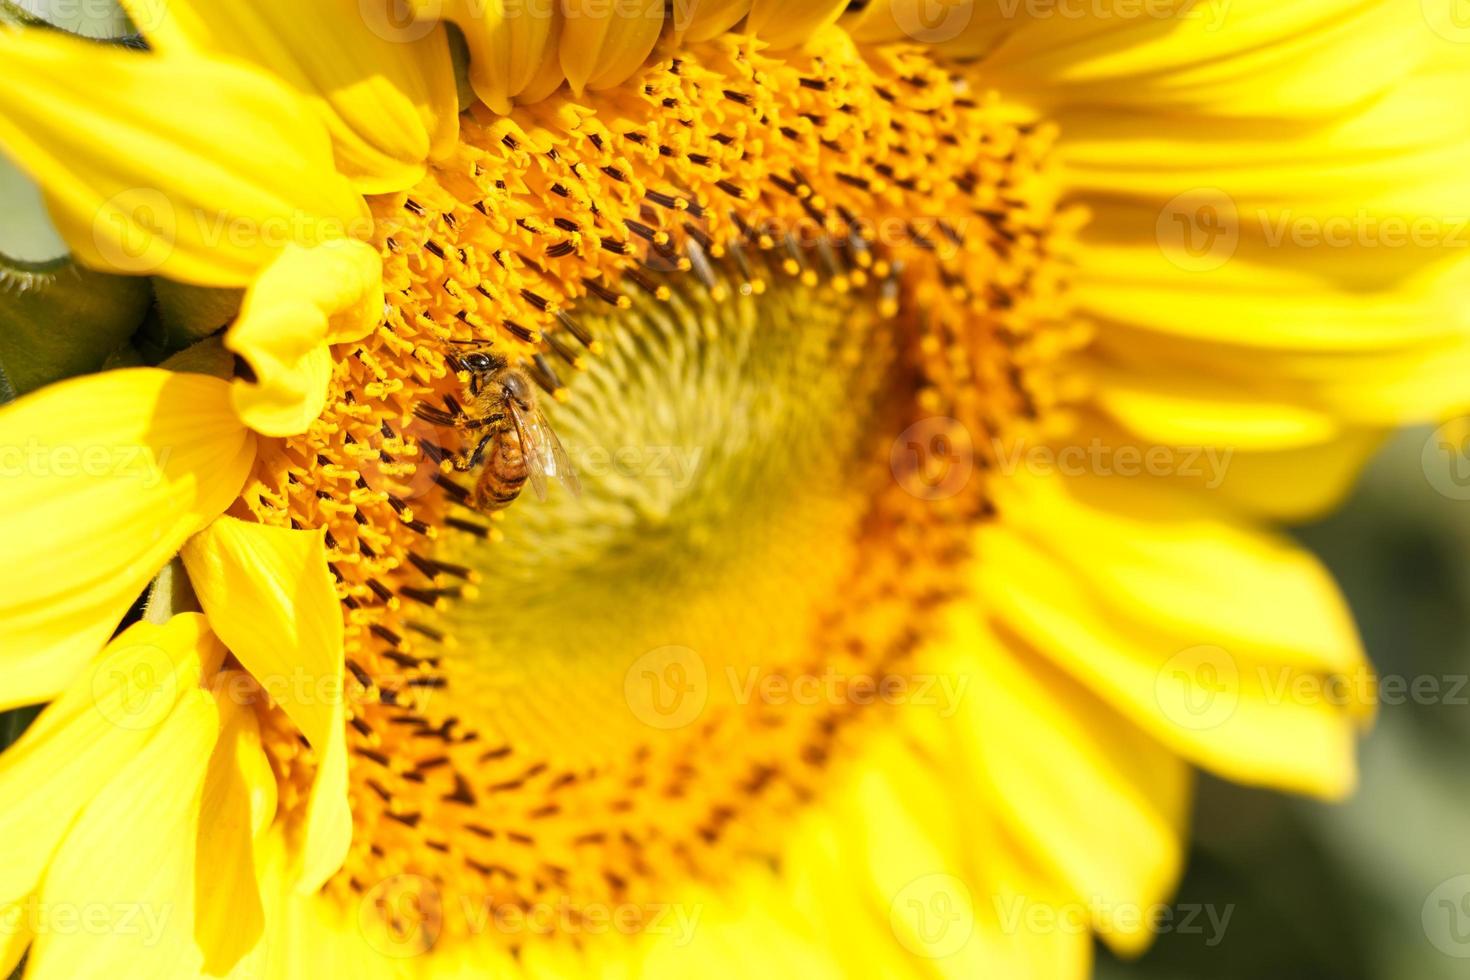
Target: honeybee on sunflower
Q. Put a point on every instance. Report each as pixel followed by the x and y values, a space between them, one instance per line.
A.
pixel 932 380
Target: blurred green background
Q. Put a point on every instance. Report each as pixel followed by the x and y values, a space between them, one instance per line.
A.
pixel 1364 890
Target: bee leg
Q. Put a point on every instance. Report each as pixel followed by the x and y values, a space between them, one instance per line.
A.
pixel 480 423
pixel 464 462
pixel 480 449
pixel 433 415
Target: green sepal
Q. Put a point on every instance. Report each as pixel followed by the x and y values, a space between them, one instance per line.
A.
pixel 459 57
pixel 183 315
pixel 7 390
pixel 169 595
pixel 206 357
pixel 125 356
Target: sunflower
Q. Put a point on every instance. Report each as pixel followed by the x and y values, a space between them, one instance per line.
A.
pixel 932 378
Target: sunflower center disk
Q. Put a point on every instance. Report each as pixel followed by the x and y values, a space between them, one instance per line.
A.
pixel 794 306
pixel 726 451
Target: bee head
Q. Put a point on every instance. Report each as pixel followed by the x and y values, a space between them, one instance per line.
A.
pixel 478 363
pixel 515 386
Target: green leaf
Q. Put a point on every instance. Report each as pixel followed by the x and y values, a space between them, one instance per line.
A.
pixel 100 19
pixel 27 234
pixel 63 320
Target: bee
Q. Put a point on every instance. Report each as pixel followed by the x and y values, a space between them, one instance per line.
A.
pixel 514 444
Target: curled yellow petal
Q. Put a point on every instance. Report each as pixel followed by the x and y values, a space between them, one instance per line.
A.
pixel 163 198
pixel 105 477
pixel 82 739
pixel 786 24
pixel 124 855
pixel 699 20
pixel 305 300
pixel 513 44
pixel 269 596
pixel 605 41
pixel 384 90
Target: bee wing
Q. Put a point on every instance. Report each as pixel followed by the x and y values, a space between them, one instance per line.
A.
pixel 565 472
pixel 532 443
pixel 549 456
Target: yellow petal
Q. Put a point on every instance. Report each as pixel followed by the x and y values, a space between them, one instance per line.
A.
pixel 305 300
pixel 951 883
pixel 789 23
pixel 210 167
pixel 15 934
pixel 239 798
pixel 964 28
pixel 269 596
pixel 315 936
pixel 1100 802
pixel 1285 482
pixel 1223 643
pixel 130 854
pixel 1300 483
pixel 1267 58
pixel 602 43
pixel 91 731
pixel 1174 557
pixel 106 476
pixel 385 91
pixel 512 45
